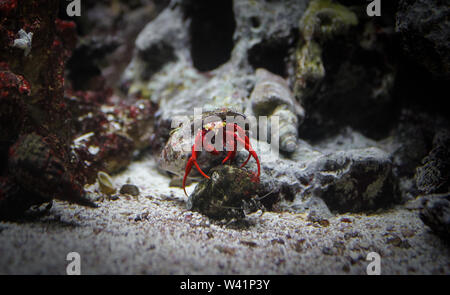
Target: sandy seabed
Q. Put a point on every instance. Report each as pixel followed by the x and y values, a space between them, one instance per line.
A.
pixel 155 234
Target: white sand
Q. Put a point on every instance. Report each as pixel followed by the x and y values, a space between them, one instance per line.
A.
pixel 171 240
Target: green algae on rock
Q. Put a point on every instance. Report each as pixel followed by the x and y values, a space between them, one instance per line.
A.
pixel 340 78
pixel 309 69
pixel 324 19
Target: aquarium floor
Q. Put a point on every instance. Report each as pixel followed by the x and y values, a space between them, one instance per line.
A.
pixel 155 234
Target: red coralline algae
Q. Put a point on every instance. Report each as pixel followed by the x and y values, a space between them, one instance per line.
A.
pixel 116 131
pixel 55 139
pixel 4 66
pixel 7 6
pixel 10 82
pixel 36 144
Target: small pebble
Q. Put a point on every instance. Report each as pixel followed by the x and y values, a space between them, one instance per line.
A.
pixel 327 251
pixel 408 233
pixel 129 189
pixel 248 243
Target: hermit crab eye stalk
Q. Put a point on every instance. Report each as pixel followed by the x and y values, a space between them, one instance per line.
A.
pixel 230 138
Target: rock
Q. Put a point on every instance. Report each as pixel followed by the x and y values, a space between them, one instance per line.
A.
pixel 355 180
pixel 83 66
pixel 181 51
pixel 398 242
pixel 265 33
pixel 109 136
pixel 325 19
pixel 229 193
pixel 103 21
pixel 411 142
pixel 14 200
pixel 41 165
pixel 434 175
pixel 14 90
pixel 436 214
pixel 155 46
pixel 424 27
pixel 335 80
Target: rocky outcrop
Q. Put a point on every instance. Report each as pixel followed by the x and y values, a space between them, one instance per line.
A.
pixel 424 27
pixel 436 214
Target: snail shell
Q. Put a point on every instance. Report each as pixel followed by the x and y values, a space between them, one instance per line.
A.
pixel 272 97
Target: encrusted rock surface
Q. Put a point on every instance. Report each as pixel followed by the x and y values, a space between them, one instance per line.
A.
pixel 434 175
pixel 425 30
pixel 436 214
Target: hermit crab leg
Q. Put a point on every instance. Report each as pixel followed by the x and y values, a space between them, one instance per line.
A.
pixel 246 161
pixel 248 148
pixel 211 149
pixel 197 141
pixel 240 131
pixel 232 154
pixel 193 160
pixel 245 137
pixel 186 173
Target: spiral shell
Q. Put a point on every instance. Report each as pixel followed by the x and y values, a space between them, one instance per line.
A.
pixel 272 97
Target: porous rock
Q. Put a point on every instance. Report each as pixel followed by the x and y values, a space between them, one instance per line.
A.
pixel 433 176
pixel 424 27
pixel 436 214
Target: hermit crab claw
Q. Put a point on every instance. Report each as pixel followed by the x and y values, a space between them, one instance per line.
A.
pixel 232 138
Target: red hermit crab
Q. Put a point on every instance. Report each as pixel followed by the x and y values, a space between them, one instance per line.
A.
pixel 232 135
